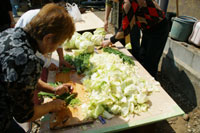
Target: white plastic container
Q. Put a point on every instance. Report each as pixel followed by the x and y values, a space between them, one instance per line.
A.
pixel 195 36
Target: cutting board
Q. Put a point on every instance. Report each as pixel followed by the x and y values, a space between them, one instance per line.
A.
pixel 71 116
pixel 69 76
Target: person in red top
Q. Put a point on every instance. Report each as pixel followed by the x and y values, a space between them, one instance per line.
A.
pixel 151 20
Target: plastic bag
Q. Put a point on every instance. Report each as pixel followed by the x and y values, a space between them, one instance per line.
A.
pixel 74 11
pixel 195 36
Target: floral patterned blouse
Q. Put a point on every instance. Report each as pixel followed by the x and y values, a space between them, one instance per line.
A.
pixel 20 70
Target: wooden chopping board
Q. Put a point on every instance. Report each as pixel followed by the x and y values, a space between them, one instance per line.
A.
pixel 69 76
pixel 71 116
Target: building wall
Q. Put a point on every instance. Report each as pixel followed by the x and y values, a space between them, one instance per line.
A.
pixel 186 7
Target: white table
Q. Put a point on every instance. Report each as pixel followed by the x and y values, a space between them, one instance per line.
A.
pixel 90 22
pixel 163 107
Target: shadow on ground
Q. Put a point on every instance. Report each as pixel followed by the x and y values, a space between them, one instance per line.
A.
pixel 178 86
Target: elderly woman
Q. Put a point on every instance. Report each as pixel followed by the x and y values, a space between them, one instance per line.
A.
pixel 20 68
pixel 49 64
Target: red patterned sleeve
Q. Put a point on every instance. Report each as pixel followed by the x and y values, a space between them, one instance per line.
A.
pixel 128 16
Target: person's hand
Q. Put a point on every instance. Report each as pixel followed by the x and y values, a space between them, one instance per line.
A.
pixel 106 43
pixel 57 105
pixel 106 25
pixel 52 67
pixel 64 88
pixel 65 63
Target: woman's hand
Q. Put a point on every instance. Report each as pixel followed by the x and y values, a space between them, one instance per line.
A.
pixel 57 105
pixel 64 88
pixel 53 106
pixel 106 43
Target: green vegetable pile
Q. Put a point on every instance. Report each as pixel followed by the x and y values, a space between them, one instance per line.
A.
pixel 80 62
pixel 69 59
pixel 65 69
pixel 124 57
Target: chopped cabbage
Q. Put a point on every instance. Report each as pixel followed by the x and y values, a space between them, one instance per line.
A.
pixel 107 115
pixel 114 87
pixel 128 46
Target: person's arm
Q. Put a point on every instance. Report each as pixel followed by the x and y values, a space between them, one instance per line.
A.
pixel 107 13
pixel 126 26
pixel 60 54
pixel 53 106
pixel 25 110
pixel 43 86
pixel 12 24
pixel 61 58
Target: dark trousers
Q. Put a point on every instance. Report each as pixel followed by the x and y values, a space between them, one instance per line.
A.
pixel 152 45
pixel 135 41
pixel 15 128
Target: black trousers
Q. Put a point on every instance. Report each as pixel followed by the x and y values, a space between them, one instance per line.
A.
pixel 152 45
pixel 15 128
pixel 135 41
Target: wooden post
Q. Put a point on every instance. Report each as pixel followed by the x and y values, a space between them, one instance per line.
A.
pixel 177 10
